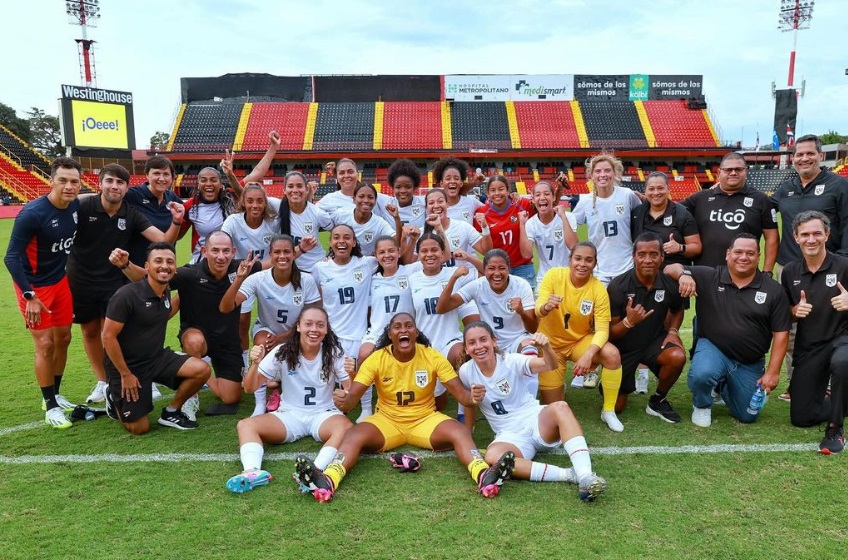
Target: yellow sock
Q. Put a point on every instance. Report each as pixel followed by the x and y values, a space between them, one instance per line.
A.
pixel 611 382
pixel 335 471
pixel 475 467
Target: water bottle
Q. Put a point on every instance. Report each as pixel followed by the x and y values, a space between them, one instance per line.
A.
pixel 758 399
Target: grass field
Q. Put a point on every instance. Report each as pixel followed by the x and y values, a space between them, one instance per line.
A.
pixel 674 491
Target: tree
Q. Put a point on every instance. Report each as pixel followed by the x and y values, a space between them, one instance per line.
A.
pixel 10 119
pixel 159 141
pixel 833 137
pixel 45 135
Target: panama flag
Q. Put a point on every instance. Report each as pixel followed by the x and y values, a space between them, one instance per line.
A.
pixel 790 136
pixel 775 142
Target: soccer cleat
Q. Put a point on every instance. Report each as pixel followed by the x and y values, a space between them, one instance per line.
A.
pixel 490 481
pixel 63 403
pixel 590 487
pixel 248 480
pixel 833 442
pixel 786 397
pixel 577 382
pixel 591 379
pixel 406 462
pixel 273 401
pixel 176 419
pixel 55 418
pixel 302 487
pixel 642 377
pixel 191 407
pixel 313 478
pixel 661 408
pixel 702 417
pixel 110 407
pixel 155 394
pixel 98 394
pixel 611 420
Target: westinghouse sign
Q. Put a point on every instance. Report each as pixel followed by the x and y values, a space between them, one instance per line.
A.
pixel 97 118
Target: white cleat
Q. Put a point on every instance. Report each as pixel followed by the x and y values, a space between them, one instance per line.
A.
pixel 155 393
pixel 592 379
pixel 98 394
pixel 191 407
pixel 611 420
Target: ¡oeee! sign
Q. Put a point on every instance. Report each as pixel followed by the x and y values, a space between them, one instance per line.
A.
pixel 96 118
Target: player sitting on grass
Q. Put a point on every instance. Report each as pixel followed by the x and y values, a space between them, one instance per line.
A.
pixel 404 368
pixel 522 426
pixel 307 366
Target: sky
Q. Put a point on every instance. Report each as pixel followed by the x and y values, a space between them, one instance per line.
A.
pixel 146 47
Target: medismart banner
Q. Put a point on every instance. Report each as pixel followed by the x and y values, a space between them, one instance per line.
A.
pixel 97 118
pixel 504 87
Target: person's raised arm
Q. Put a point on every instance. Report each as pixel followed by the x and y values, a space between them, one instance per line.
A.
pixel 448 300
pixel 121 259
pixel 232 297
pixel 264 164
pixel 548 360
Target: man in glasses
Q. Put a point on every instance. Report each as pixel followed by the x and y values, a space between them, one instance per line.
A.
pixel 813 188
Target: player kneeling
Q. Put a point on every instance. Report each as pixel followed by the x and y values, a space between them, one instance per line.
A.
pixel 522 426
pixel 307 366
pixel 404 368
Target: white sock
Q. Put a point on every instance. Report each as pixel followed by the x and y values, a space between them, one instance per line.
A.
pixel 542 472
pixel 251 455
pixel 261 400
pixel 245 357
pixel 325 456
pixel 578 452
pixel 460 410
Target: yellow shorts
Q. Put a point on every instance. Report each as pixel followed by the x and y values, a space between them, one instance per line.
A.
pixel 555 379
pixel 415 433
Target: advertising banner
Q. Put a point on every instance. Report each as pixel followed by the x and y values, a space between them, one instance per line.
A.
pixel 675 87
pixel 638 87
pixel 601 88
pixel 97 118
pixel 518 87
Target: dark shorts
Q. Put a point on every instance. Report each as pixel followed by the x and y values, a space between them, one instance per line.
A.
pixel 630 361
pixel 89 304
pixel 162 369
pixel 226 356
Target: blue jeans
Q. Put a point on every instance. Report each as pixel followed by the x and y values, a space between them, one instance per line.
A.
pixel 710 366
pixel 525 271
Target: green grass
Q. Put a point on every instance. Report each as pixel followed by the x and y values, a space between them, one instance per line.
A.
pixel 700 505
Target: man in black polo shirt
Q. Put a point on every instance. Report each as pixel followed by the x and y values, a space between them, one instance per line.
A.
pixel 815 286
pixel 204 330
pixel 642 301
pixel 741 311
pixel 106 221
pixel 729 208
pixel 813 188
pixel 133 336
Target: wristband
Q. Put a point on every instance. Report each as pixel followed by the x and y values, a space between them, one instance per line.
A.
pixel 176 223
pixel 673 330
pixel 627 323
pixel 485 231
pixel 683 247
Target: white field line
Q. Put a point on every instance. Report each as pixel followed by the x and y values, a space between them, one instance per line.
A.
pixel 22 427
pixel 289 456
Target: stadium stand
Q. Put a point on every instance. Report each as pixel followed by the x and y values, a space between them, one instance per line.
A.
pixel 479 125
pixel 344 126
pixel 612 125
pixel 546 124
pixel 767 180
pixel 412 125
pixel 289 119
pixel 24 153
pixel 676 126
pixel 208 127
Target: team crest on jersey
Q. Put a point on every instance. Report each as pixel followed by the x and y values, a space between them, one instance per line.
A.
pixel 466 215
pixel 368 237
pixel 667 221
pixel 403 282
pixel 266 239
pixel 297 298
pixel 416 211
pixel 167 303
pixel 503 386
pixel 421 378
pixel 558 235
pixel 455 241
pixel 307 228
pixel 509 306
pixel 774 215
pixel 358 275
pixel 659 296
pixel 760 297
pixel 232 277
pixel 75 217
pixel 586 307
pixel 122 224
pixel 830 280
pixel 818 190
pixel 747 202
pixel 513 219
pixel 619 209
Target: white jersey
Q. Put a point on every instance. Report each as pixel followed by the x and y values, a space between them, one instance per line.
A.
pixel 496 310
pixel 461 235
pixel 390 296
pixel 549 240
pixel 367 233
pixel 205 217
pixel 609 229
pixel 330 203
pixel 412 215
pixel 279 306
pixel 345 292
pixel 440 328
pixel 305 388
pixel 507 392
pixel 465 208
pixel 307 224
pixel 247 239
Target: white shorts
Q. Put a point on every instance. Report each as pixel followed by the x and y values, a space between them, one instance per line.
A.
pixel 511 346
pixel 301 424
pixel 258 328
pixel 445 348
pixel 372 336
pixel 524 433
pixel 605 280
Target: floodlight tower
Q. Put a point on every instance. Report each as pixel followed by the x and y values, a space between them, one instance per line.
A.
pixel 85 14
pixel 795 15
